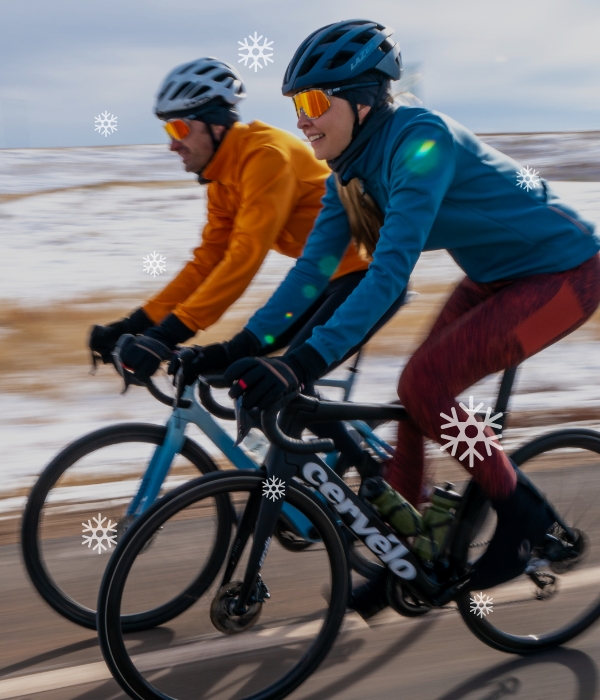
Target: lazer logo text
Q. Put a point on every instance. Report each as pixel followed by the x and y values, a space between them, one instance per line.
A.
pixel 388 548
pixel 359 58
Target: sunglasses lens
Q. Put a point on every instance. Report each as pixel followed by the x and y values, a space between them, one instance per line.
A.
pixel 313 103
pixel 177 129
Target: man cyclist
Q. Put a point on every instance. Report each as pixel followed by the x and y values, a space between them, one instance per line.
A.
pixel 264 192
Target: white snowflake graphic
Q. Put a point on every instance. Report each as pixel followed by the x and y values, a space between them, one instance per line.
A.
pixel 106 123
pixel 273 488
pixel 479 426
pixel 255 51
pixel 528 178
pixel 99 534
pixel 481 604
pixel 155 264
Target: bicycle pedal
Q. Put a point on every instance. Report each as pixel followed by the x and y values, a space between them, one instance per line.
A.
pixel 262 592
pixel 545 583
pixel 536 563
pixel 561 555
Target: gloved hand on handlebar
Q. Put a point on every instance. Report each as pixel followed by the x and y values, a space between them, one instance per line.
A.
pixel 141 355
pixel 270 382
pixel 213 359
pixel 103 339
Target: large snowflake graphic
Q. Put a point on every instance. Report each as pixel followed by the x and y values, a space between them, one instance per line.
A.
pixel 106 123
pixel 528 178
pixel 99 534
pixel 273 488
pixel 474 425
pixel 481 604
pixel 155 264
pixel 255 51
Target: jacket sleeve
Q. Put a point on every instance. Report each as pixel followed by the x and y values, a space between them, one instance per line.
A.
pixel 421 171
pixel 325 247
pixel 268 194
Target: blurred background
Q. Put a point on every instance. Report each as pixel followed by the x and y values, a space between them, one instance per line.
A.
pixel 81 207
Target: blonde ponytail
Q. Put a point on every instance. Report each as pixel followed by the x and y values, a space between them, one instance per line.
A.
pixel 364 215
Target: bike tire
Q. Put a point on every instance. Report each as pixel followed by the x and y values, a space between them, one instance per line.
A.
pixel 38 573
pixel 110 632
pixel 484 627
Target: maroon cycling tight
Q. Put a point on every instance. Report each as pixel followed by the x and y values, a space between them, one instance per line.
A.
pixel 482 329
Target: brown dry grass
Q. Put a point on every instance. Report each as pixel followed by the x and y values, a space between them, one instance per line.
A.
pixel 34 338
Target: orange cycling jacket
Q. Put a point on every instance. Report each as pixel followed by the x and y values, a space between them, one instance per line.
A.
pixel 265 193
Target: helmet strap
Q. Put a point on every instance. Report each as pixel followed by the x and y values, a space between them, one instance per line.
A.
pixel 356 127
pixel 213 138
pixel 216 143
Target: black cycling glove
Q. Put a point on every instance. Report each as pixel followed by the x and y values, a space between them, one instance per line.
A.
pixel 103 339
pixel 267 382
pixel 143 354
pixel 213 359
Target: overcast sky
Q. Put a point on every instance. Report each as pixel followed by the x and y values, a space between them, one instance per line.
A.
pixel 515 65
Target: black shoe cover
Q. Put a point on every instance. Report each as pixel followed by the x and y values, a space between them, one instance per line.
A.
pixel 523 520
pixel 369 598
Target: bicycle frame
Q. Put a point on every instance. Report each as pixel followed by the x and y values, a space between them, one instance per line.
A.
pixel 357 516
pixel 163 456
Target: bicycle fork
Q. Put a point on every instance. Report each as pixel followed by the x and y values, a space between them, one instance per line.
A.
pixel 259 518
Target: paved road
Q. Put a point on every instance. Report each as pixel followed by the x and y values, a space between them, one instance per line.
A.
pixel 430 658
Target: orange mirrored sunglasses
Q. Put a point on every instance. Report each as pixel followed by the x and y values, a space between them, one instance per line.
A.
pixel 315 102
pixel 177 129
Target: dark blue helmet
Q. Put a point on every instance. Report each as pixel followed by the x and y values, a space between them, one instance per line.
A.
pixel 339 53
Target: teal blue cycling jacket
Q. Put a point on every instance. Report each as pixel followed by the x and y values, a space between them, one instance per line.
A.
pixel 440 187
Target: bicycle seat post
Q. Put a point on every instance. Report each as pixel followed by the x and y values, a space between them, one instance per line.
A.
pixel 504 393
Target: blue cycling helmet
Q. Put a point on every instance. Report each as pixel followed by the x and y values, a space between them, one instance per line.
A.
pixel 339 52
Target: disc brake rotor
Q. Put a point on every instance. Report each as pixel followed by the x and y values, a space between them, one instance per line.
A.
pixel 222 613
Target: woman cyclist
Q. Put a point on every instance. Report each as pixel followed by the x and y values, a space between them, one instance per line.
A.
pixel 531 264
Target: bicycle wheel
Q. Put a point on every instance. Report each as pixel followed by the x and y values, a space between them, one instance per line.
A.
pixel 264 654
pixel 526 615
pixel 94 479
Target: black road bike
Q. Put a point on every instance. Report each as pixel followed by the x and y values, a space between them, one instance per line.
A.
pixel 277 614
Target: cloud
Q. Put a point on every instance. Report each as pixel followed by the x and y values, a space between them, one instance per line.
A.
pixel 514 66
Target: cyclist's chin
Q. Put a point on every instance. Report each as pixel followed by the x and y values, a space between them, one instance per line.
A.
pixel 191 164
pixel 327 148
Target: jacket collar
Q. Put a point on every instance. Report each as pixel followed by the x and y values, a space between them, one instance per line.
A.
pixel 219 167
pixel 349 159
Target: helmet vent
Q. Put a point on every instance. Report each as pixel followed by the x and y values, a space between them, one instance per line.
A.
pixel 200 91
pixel 341 58
pixel 180 89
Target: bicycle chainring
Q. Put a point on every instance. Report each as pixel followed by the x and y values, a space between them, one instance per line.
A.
pixel 402 600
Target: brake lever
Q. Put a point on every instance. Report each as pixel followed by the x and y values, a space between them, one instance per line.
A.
pixel 128 378
pixel 179 385
pixel 94 362
pixel 242 419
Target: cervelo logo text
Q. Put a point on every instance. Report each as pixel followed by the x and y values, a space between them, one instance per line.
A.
pixel 381 546
pixel 359 58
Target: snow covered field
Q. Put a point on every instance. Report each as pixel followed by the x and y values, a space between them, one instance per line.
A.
pixel 75 225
